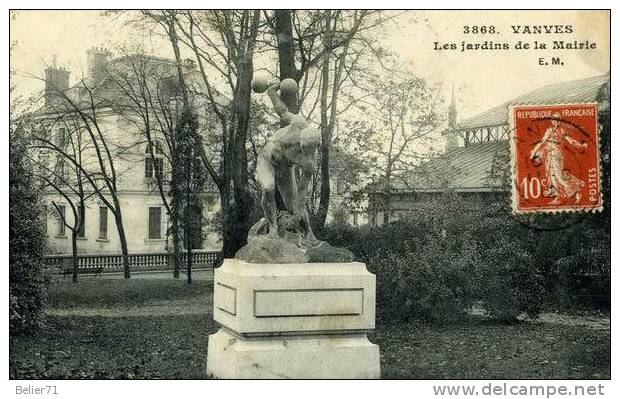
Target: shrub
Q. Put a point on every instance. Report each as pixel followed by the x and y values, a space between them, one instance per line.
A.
pixel 584 280
pixel 511 284
pixel 428 282
pixel 340 235
pixel 27 274
pixel 438 263
pixel 512 281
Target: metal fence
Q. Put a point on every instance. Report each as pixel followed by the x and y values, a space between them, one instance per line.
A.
pixel 112 263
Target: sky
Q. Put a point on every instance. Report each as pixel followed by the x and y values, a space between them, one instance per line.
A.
pixel 482 79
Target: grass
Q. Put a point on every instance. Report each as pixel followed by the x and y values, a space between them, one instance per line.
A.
pixel 482 349
pixel 174 345
pixel 94 292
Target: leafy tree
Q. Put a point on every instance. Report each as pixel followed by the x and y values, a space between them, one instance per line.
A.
pixel 27 271
pixel 189 177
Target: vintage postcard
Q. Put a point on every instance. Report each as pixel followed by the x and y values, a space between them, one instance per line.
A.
pixel 201 194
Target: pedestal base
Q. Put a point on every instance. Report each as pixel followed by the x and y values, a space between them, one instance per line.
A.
pixel 302 321
pixel 347 356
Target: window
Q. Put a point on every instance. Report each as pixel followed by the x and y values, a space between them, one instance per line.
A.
pixel 159 167
pixel 103 223
pixel 148 167
pixel 171 86
pixel 61 175
pixel 154 223
pixel 154 164
pixel 61 137
pixel 61 220
pixel 82 216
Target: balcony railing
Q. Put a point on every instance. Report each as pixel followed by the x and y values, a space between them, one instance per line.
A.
pixel 113 263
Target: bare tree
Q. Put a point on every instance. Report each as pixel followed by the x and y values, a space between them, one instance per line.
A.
pixel 146 92
pixel 404 112
pixel 65 179
pixel 223 42
pixel 83 105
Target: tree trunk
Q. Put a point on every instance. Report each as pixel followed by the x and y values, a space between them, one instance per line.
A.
pixel 387 207
pixel 189 265
pixel 325 185
pixel 188 245
pixel 228 237
pixel 123 238
pixel 176 243
pixel 188 230
pixel 74 256
pixel 286 63
pixel 325 145
pixel 174 40
pixel 240 211
pixel 286 54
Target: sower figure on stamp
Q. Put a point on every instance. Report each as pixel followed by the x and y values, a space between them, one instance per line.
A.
pixel 286 163
pixel 550 154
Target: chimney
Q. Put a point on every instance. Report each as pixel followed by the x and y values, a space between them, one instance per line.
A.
pixel 56 81
pixel 96 62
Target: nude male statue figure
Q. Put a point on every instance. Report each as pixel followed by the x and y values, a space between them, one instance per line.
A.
pixel 286 163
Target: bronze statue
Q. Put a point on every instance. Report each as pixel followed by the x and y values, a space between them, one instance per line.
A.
pixel 286 164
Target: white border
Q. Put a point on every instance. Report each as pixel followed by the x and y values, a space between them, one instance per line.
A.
pixel 284 389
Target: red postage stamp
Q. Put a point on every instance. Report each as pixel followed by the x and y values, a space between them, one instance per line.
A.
pixel 555 158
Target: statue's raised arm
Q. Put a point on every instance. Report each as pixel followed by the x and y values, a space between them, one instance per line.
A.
pixel 278 105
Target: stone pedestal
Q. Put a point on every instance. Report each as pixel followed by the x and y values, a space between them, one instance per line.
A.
pixel 306 320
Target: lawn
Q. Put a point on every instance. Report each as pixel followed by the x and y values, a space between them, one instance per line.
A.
pixel 483 349
pixel 110 293
pixel 159 343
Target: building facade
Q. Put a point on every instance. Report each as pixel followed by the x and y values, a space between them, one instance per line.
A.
pixel 139 164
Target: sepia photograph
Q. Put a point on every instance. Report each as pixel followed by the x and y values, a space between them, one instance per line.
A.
pixel 311 194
